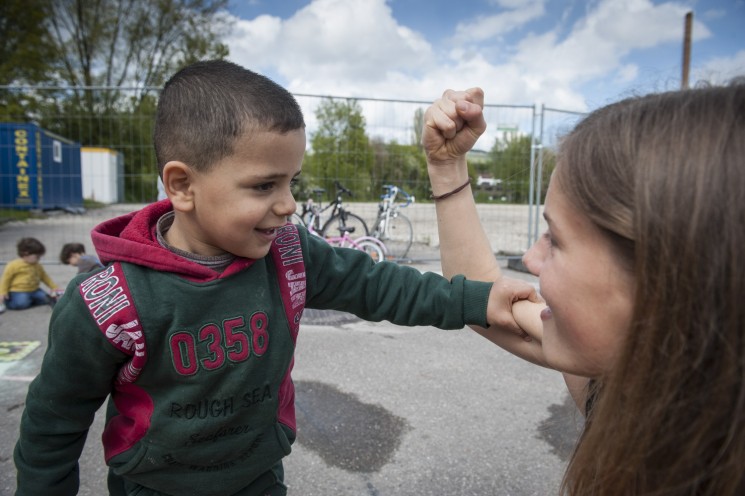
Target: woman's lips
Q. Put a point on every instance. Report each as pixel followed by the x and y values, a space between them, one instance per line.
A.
pixel 546 314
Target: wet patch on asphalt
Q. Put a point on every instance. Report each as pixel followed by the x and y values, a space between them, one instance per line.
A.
pixel 343 431
pixel 562 428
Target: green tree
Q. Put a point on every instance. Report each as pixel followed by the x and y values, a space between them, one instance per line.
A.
pixel 341 149
pixel 27 55
pixel 133 42
pixel 402 165
pixel 111 44
pixel 27 50
pixel 510 162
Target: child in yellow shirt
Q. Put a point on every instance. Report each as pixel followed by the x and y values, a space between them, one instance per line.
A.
pixel 20 286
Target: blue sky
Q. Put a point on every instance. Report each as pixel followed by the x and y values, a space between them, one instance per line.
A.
pixel 573 55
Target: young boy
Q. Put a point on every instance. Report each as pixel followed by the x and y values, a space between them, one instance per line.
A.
pixel 192 326
pixel 74 254
pixel 20 286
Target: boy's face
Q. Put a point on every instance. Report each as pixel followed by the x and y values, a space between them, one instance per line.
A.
pixel 239 204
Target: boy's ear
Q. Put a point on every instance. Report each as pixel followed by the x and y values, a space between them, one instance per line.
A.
pixel 177 181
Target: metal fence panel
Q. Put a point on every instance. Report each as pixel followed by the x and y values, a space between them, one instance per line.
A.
pixel 118 173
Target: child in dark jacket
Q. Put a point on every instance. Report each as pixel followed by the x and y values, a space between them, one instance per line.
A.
pixel 191 328
pixel 74 254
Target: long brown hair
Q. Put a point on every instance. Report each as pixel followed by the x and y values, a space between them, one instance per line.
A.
pixel 664 176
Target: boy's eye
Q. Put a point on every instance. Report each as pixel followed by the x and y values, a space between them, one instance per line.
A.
pixel 265 186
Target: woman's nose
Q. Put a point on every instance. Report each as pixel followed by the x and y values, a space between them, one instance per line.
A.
pixel 533 258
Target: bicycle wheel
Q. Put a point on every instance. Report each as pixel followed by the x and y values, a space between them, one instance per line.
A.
pixel 372 249
pixel 397 236
pixel 332 226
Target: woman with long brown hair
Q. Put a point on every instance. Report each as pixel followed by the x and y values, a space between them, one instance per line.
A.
pixel 643 275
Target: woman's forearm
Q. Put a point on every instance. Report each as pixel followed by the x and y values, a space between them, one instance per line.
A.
pixel 464 246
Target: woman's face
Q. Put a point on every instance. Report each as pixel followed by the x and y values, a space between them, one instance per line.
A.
pixel 588 291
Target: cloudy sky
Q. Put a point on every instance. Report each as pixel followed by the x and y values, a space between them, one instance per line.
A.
pixel 569 54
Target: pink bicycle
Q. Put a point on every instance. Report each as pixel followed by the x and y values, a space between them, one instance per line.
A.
pixel 370 245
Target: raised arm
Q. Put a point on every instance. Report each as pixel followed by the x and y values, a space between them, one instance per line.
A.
pixel 452 125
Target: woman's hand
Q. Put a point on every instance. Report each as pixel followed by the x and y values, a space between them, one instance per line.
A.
pixel 452 125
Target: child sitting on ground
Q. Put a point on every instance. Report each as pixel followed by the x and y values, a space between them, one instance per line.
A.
pixel 20 286
pixel 74 254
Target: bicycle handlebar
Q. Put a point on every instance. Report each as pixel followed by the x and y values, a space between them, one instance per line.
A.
pixel 341 189
pixel 392 191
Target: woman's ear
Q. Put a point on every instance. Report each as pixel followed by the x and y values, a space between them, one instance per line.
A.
pixel 177 182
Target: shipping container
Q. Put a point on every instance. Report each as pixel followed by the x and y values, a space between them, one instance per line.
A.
pixel 103 174
pixel 38 169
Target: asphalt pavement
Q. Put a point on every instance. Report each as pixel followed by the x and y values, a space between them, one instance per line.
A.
pixel 383 410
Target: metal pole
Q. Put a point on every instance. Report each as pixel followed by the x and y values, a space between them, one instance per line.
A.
pixel 531 180
pixel 686 50
pixel 539 179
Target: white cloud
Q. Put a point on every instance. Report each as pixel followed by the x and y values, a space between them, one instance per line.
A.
pixel 627 73
pixel 596 48
pixel 252 42
pixel 552 68
pixel 639 23
pixel 357 48
pixel 495 26
pixel 512 4
pixel 330 42
pixel 721 70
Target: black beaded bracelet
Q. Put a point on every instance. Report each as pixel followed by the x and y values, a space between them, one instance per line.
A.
pixel 450 193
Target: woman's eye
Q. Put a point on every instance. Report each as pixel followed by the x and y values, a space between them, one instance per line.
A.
pixel 548 238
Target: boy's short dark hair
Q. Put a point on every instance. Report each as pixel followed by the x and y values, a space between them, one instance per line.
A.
pixel 206 106
pixel 30 246
pixel 68 249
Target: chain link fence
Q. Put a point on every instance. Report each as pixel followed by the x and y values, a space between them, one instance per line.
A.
pixel 73 157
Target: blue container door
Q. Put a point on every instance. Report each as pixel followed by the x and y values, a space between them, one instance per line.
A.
pixel 59 179
pixel 18 166
pixel 38 169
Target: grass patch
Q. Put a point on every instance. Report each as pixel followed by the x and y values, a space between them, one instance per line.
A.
pixel 92 204
pixel 23 214
pixel 11 214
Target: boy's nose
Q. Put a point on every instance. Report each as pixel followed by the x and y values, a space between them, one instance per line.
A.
pixel 286 206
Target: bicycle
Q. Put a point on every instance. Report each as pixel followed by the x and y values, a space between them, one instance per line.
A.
pixel 372 246
pixel 392 227
pixel 341 217
pixel 310 219
pixel 310 216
